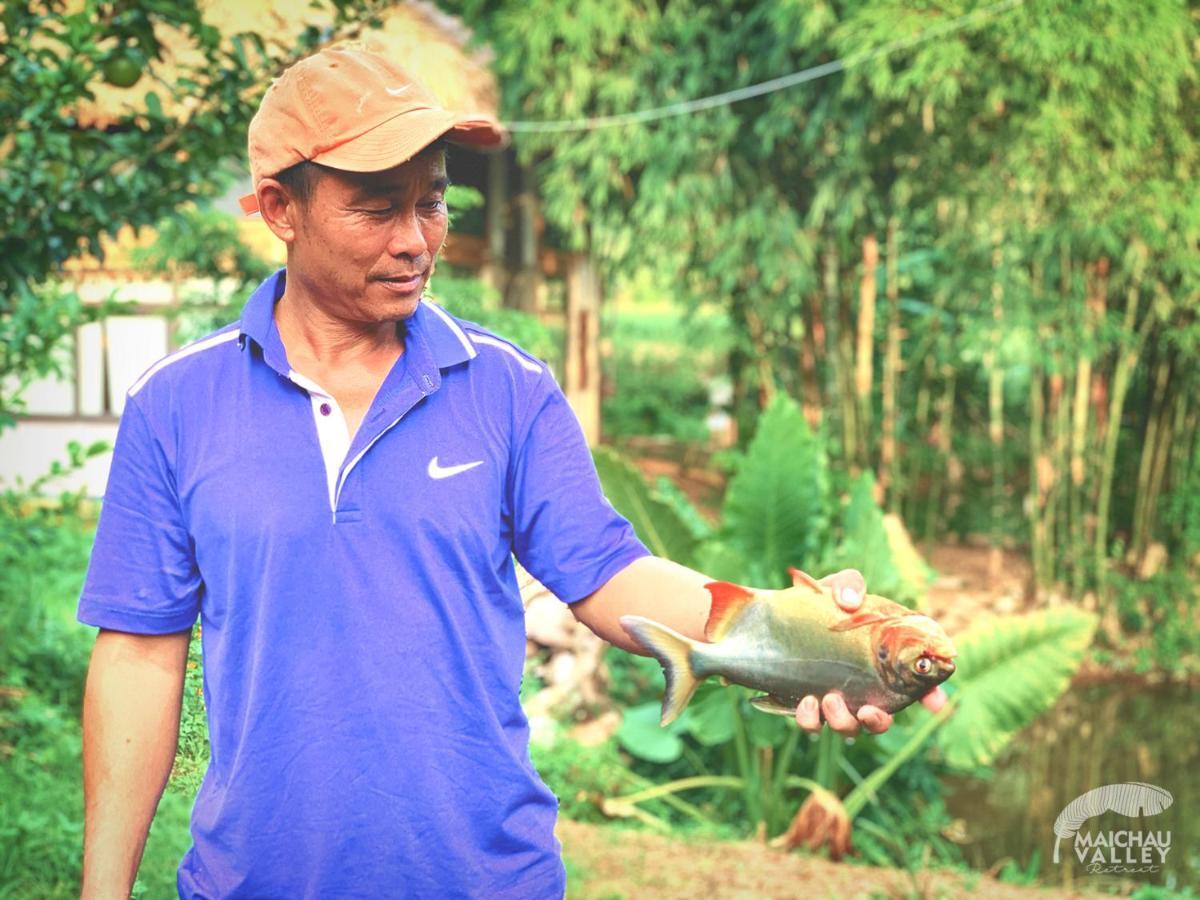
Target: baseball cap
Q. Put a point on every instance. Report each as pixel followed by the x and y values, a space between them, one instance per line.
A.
pixel 354 110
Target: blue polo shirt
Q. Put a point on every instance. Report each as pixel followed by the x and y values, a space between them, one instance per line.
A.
pixel 362 630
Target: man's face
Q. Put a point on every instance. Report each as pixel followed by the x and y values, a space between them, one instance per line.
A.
pixel 365 243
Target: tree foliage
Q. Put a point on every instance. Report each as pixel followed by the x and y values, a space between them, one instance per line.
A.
pixel 65 182
pixel 1017 179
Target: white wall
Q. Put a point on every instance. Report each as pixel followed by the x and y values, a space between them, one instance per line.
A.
pixel 27 451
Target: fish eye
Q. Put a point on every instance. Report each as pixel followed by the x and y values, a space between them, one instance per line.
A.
pixel 883 652
pixel 924 665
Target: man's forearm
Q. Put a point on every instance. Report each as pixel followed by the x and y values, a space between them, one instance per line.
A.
pixel 674 593
pixel 130 731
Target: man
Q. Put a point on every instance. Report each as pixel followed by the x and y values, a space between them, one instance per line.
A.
pixel 337 484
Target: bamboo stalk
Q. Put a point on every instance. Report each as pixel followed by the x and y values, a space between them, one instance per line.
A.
pixel 1165 438
pixel 1039 464
pixel 944 434
pixel 928 354
pixel 1062 426
pixel 812 396
pixel 996 414
pixel 1127 357
pixel 920 429
pixel 865 351
pixel 1139 539
pixel 1037 495
pixel 1056 410
pixel 844 362
pixel 887 488
pixel 1078 438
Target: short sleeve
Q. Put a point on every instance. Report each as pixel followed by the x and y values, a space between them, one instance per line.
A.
pixel 565 532
pixel 142 577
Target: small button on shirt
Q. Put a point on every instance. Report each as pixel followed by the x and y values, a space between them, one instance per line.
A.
pixel 362 630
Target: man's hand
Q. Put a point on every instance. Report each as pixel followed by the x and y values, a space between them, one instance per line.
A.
pixel 848 588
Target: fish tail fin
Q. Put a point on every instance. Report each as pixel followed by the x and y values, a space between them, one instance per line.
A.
pixel 673 651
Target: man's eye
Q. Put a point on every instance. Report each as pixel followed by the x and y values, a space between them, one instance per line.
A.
pixel 434 205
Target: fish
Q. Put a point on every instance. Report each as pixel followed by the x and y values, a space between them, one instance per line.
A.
pixel 797 642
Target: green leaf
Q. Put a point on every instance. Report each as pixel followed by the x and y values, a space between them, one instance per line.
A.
pixel 865 545
pixel 642 736
pixel 721 562
pixel 766 729
pixel 656 522
pixel 709 718
pixel 776 507
pixel 1009 673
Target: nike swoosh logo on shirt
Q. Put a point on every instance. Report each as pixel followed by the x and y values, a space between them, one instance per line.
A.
pixel 437 471
pixel 396 92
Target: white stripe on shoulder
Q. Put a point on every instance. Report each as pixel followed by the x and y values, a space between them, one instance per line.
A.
pixel 507 348
pixel 223 337
pixel 454 326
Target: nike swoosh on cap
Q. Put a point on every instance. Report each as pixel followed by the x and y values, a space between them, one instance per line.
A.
pixel 437 471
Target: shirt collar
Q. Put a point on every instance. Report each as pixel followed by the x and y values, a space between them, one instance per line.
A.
pixel 448 342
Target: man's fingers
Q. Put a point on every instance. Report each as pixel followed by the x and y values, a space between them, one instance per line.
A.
pixel 874 719
pixel 838 716
pixel 934 700
pixel 808 714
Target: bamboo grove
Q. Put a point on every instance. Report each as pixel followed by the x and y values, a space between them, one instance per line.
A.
pixel 972 255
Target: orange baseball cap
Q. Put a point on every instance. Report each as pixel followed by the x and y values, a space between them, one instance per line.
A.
pixel 353 110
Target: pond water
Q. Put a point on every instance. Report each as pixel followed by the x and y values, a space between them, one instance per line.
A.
pixel 1095 735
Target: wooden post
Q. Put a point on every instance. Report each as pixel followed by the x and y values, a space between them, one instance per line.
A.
pixel 495 268
pixel 527 288
pixel 581 361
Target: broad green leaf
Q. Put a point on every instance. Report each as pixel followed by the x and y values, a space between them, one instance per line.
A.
pixel 709 717
pixel 776 507
pixel 722 562
pixel 642 736
pixel 866 546
pixel 766 729
pixel 656 522
pixel 674 497
pixel 1009 673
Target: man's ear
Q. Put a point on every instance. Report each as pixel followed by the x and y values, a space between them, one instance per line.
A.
pixel 278 208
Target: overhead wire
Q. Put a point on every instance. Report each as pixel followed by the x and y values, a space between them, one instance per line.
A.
pixel 783 82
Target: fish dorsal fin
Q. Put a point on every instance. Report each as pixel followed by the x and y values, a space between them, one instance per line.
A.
pixel 727 601
pixel 858 620
pixel 803 578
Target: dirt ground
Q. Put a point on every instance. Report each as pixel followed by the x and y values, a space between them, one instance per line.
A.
pixel 606 863
pixel 965 591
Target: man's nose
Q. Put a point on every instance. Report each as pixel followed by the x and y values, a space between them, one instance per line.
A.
pixel 407 238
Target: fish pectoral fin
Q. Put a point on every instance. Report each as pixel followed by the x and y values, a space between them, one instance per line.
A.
pixel 768 704
pixel 858 620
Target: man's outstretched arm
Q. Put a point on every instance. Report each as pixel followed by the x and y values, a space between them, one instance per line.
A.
pixel 130 730
pixel 675 596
